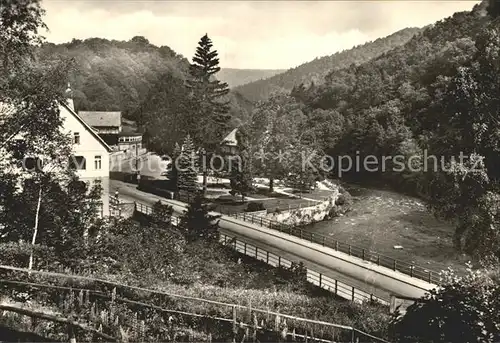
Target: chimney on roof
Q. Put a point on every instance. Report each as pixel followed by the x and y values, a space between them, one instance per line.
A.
pixel 69 95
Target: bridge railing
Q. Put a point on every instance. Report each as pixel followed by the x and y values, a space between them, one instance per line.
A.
pixel 334 286
pixel 365 254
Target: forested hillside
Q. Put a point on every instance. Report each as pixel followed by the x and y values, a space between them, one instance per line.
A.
pixel 110 75
pixel 237 77
pixel 435 96
pixel 316 70
pixel 115 75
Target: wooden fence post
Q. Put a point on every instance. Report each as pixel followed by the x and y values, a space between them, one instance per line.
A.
pixel 234 319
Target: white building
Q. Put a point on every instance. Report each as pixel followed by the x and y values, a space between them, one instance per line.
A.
pixel 90 151
pixel 91 155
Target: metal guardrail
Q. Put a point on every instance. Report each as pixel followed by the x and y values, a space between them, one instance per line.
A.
pixel 148 210
pixel 365 254
pixel 334 286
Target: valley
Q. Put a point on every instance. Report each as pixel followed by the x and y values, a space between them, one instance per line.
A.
pixel 267 224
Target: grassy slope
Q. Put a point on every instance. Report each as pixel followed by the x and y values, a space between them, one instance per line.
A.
pixel 381 219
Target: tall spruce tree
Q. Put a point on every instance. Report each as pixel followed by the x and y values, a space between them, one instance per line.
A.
pixel 187 169
pixel 198 224
pixel 173 173
pixel 209 96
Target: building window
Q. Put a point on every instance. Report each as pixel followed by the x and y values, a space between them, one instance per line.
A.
pixel 76 137
pixel 97 162
pixel 77 162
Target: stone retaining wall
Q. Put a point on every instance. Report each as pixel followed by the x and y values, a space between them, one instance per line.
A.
pixel 307 215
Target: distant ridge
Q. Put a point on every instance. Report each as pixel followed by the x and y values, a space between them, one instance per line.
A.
pixel 316 70
pixel 237 77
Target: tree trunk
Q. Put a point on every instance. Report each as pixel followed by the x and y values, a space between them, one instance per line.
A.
pixel 35 229
pixel 204 182
pixel 271 185
pixel 205 172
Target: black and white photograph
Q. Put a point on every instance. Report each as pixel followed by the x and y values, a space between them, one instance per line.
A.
pixel 250 171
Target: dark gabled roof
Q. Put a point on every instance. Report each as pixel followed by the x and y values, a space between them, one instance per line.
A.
pixel 101 119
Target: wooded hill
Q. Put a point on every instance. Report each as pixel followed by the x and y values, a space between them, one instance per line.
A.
pixel 111 75
pixel 316 70
pixel 437 96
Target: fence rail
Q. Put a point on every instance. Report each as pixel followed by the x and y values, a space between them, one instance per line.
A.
pixel 237 310
pixel 365 254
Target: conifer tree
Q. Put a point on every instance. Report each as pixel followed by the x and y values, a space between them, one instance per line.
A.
pixel 173 174
pixel 162 214
pixel 493 8
pixel 187 168
pixel 211 109
pixel 197 224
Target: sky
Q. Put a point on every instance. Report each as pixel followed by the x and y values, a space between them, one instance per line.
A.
pixel 247 34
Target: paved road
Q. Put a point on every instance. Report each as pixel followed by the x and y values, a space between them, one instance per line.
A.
pixel 149 164
pixel 129 193
pixel 350 270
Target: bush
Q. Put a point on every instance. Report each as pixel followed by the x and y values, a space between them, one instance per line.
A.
pixel 129 247
pixel 464 309
pixel 254 207
pixel 17 254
